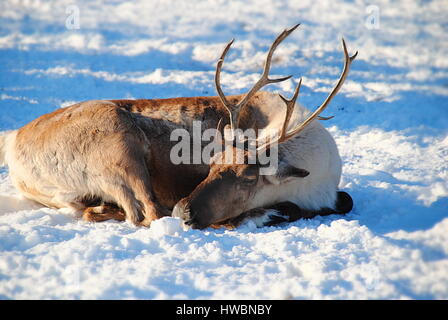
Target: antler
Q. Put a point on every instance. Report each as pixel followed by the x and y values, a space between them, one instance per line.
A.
pixel 284 136
pixel 234 110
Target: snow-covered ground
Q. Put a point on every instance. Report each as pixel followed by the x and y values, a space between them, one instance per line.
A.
pixel 391 127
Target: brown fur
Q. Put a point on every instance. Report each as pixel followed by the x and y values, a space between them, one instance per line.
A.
pixel 125 146
pixel 119 151
pixel 103 136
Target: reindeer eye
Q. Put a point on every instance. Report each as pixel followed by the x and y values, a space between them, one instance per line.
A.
pixel 248 176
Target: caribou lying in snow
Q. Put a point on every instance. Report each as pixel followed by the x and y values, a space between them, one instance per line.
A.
pixel 110 159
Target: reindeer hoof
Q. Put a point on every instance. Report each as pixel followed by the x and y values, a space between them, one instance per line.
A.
pixel 146 222
pixel 344 203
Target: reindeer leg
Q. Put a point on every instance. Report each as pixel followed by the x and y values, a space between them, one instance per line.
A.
pixel 267 216
pixel 103 213
pixel 287 212
pixel 132 191
pixel 138 180
pixel 128 183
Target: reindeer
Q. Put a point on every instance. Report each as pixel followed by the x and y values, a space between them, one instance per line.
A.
pixel 110 159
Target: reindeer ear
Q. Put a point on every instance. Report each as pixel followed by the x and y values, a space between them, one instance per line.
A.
pixel 286 171
pixel 290 171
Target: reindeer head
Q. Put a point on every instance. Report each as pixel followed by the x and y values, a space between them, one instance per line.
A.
pixel 237 180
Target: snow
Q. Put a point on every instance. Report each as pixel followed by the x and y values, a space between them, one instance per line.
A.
pixel 390 127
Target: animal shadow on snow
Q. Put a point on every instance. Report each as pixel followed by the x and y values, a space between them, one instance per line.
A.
pixel 390 209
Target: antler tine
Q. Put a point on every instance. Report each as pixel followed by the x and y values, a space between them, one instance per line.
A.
pixel 315 114
pixel 284 136
pixel 234 111
pixel 264 80
pixel 221 95
pixel 289 109
pixel 325 118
